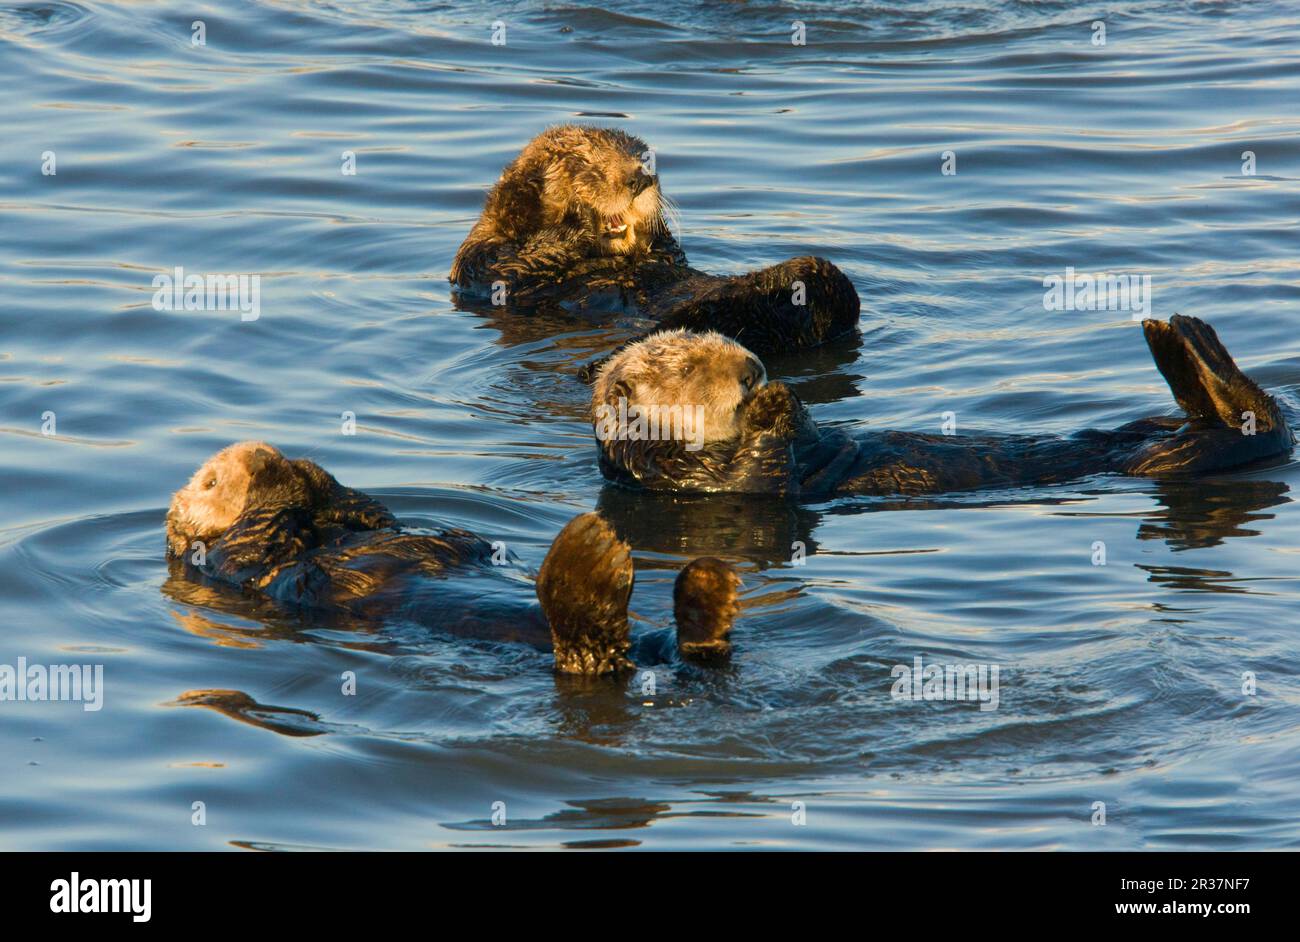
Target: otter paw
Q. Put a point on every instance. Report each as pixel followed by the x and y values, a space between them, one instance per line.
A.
pixel 705 607
pixel 584 586
pixel 772 410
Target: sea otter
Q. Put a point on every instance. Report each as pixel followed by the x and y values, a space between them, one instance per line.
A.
pixel 286 529
pixel 576 223
pixel 756 437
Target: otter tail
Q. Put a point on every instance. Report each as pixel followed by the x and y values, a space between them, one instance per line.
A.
pixel 584 586
pixel 1231 421
pixel 705 607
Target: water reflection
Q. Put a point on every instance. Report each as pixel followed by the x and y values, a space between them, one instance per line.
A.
pixel 763 530
pixel 250 620
pixel 287 721
pixel 517 327
pixel 823 374
pixel 1201 580
pixel 613 814
pixel 1204 513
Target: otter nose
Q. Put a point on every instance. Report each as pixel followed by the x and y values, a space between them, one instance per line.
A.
pixel 640 182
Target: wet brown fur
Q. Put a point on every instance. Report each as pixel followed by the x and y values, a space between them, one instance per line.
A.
pixel 544 234
pixel 287 530
pixel 705 606
pixel 556 201
pixel 776 447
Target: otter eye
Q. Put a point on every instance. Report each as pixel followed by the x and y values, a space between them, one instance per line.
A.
pixel 748 381
pixel 209 484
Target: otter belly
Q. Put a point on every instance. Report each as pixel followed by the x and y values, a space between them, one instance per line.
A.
pixel 901 463
pixel 443 580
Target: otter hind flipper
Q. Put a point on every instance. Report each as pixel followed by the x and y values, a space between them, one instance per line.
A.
pixel 1201 374
pixel 798 303
pixel 1231 421
pixel 705 607
pixel 584 586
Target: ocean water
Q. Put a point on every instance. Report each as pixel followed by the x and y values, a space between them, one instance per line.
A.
pixel 1120 683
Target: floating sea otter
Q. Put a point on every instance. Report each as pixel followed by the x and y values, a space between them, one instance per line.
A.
pixel 288 530
pixel 758 438
pixel 576 222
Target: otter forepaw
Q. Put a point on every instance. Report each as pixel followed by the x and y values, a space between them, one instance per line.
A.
pixel 773 410
pixel 705 607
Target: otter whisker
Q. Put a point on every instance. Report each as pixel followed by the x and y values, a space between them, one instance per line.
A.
pixel 668 213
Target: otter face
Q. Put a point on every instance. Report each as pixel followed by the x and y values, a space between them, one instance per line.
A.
pixel 218 493
pixel 708 372
pixel 595 178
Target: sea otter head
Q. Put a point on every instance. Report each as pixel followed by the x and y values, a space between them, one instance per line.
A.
pixel 598 179
pixel 707 374
pixel 235 479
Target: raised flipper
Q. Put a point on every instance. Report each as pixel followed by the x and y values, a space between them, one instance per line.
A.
pixel 799 303
pixel 1231 421
pixel 705 606
pixel 584 586
pixel 757 309
pixel 1203 377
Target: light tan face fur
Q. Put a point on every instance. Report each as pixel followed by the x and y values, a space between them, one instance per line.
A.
pixel 597 178
pixel 215 497
pixel 678 367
